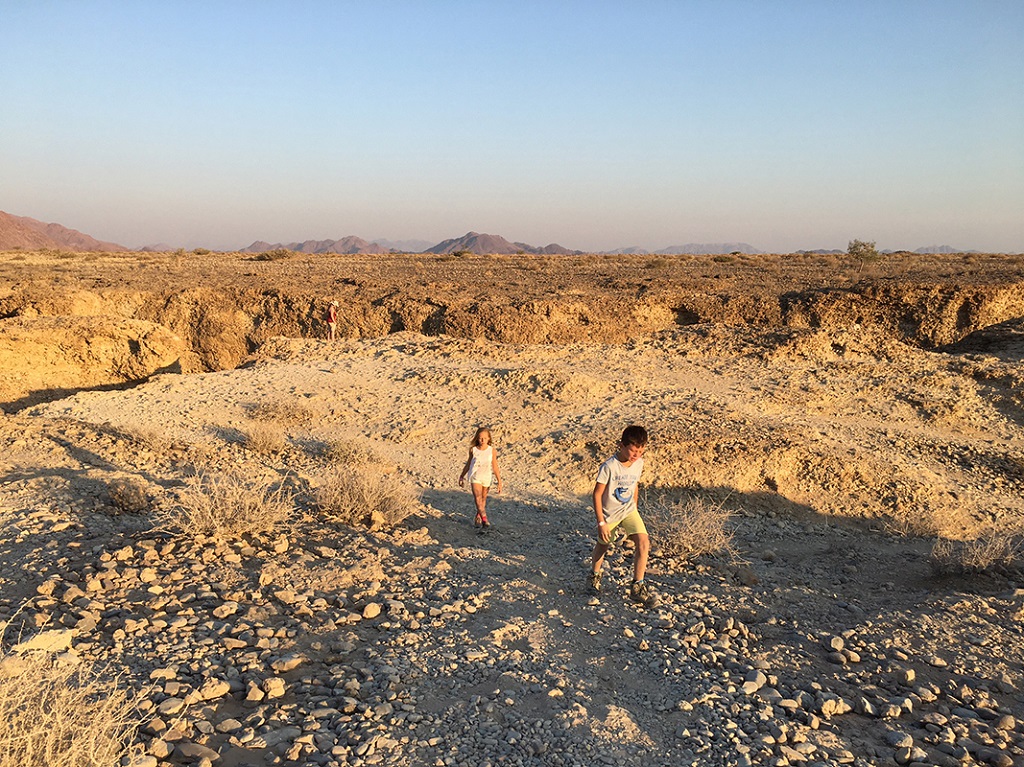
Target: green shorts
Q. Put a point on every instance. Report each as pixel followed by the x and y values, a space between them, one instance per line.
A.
pixel 631 524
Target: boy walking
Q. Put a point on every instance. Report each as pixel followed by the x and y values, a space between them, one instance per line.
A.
pixel 615 504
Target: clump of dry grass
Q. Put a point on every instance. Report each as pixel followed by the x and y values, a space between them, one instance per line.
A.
pixel 277 254
pixel 150 437
pixel 228 505
pixel 264 438
pixel 688 528
pixel 347 451
pixel 130 495
pixel 993 547
pixel 282 411
pixel 61 715
pixel 364 495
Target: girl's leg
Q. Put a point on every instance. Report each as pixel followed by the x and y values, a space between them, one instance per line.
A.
pixel 480 496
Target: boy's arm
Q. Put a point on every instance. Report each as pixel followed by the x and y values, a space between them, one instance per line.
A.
pixel 602 526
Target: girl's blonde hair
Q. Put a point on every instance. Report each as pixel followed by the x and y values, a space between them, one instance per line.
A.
pixel 476 437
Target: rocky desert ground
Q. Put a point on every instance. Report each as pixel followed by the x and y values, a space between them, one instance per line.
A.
pixel 858 425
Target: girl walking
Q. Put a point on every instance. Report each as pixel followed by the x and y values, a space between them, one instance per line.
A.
pixel 481 467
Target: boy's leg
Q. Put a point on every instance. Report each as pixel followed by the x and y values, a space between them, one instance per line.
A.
pixel 640 591
pixel 597 558
pixel 642 542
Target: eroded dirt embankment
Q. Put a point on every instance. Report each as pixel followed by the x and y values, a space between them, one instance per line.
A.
pixel 99 323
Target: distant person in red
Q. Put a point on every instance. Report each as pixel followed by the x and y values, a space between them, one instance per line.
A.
pixel 332 321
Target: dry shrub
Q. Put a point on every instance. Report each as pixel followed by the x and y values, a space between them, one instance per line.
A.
pixel 991 548
pixel 346 451
pixel 366 496
pixel 264 438
pixel 130 495
pixel 150 437
pixel 277 254
pixel 283 411
pixel 687 528
pixel 228 505
pixel 61 715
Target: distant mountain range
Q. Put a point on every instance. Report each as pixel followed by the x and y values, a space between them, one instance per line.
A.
pixel 474 242
pixel 21 232
pixel 404 246
pixel 30 234
pixel 694 249
pixel 346 245
pixel 941 249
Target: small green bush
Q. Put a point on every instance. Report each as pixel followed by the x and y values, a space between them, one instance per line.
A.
pixel 265 438
pixel 345 451
pixel 129 495
pixel 282 411
pixel 862 251
pixel 150 437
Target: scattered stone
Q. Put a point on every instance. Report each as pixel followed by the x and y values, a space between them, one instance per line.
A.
pixel 899 739
pixel 213 689
pixel 195 752
pixel 171 706
pixel 288 663
pixel 274 687
pixel 51 641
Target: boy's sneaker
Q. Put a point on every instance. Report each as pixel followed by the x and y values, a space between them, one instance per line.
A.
pixel 641 592
pixel 594 582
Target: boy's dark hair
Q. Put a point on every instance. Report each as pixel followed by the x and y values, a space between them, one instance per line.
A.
pixel 634 435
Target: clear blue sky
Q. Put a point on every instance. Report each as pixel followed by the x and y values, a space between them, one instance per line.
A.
pixel 597 125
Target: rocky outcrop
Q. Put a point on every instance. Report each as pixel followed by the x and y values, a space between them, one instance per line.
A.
pixel 223 318
pixel 45 357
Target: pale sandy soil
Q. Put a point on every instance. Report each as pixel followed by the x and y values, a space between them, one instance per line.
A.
pixel 847 414
pixel 824 444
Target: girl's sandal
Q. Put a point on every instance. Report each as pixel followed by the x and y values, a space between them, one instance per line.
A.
pixel 486 524
pixel 477 522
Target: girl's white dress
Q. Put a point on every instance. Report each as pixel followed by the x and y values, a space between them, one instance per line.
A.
pixel 480 471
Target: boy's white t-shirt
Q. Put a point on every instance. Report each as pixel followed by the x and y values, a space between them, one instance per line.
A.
pixel 619 498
